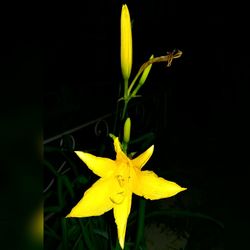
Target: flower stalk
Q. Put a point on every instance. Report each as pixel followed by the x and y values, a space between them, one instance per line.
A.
pixel 141 222
pixel 122 177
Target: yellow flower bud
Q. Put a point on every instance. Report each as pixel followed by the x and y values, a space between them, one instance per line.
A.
pixel 126 43
pixel 126 130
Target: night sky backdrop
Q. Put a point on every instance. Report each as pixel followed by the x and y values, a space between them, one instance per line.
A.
pixel 73 50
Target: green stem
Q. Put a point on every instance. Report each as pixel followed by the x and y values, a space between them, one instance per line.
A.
pixel 125 88
pixel 140 225
pixel 133 82
pixel 124 111
pixel 140 71
pixel 136 90
pixel 125 147
pixel 64 233
pixel 126 100
pixel 117 111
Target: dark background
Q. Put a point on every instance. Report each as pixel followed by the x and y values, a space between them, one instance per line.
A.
pixel 70 54
pixel 189 105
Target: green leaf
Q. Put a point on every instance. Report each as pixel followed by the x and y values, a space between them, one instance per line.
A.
pixel 73 230
pixel 60 191
pixel 52 209
pixel 47 194
pixel 68 185
pixel 64 233
pixel 50 167
pixel 80 245
pixel 50 232
pixel 85 234
pixel 82 180
pixel 146 139
pixel 77 242
pixel 102 233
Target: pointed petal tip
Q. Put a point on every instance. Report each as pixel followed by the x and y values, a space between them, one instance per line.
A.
pixel 77 152
pixel 182 189
pixel 80 154
pixel 151 149
pixel 70 215
pixel 121 242
pixel 124 6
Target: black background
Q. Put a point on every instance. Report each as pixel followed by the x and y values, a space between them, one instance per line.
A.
pixel 60 68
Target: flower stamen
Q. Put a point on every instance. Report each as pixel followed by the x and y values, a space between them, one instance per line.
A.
pixel 120 180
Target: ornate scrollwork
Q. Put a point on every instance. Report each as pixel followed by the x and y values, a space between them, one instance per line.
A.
pixel 101 128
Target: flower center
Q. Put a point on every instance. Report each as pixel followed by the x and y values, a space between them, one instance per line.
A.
pixel 119 195
pixel 121 180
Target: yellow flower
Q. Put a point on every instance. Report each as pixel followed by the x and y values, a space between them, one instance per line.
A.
pixel 126 43
pixel 119 179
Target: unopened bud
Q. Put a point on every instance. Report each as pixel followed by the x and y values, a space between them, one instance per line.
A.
pixel 127 130
pixel 126 43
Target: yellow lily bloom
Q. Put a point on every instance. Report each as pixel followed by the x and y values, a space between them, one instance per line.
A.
pixel 119 179
pixel 126 43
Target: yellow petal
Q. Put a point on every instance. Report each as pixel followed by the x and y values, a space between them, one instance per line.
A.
pixel 121 213
pixel 152 187
pixel 96 200
pixel 142 159
pixel 101 166
pixel 120 155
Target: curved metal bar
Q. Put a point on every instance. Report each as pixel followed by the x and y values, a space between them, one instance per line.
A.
pixel 75 129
